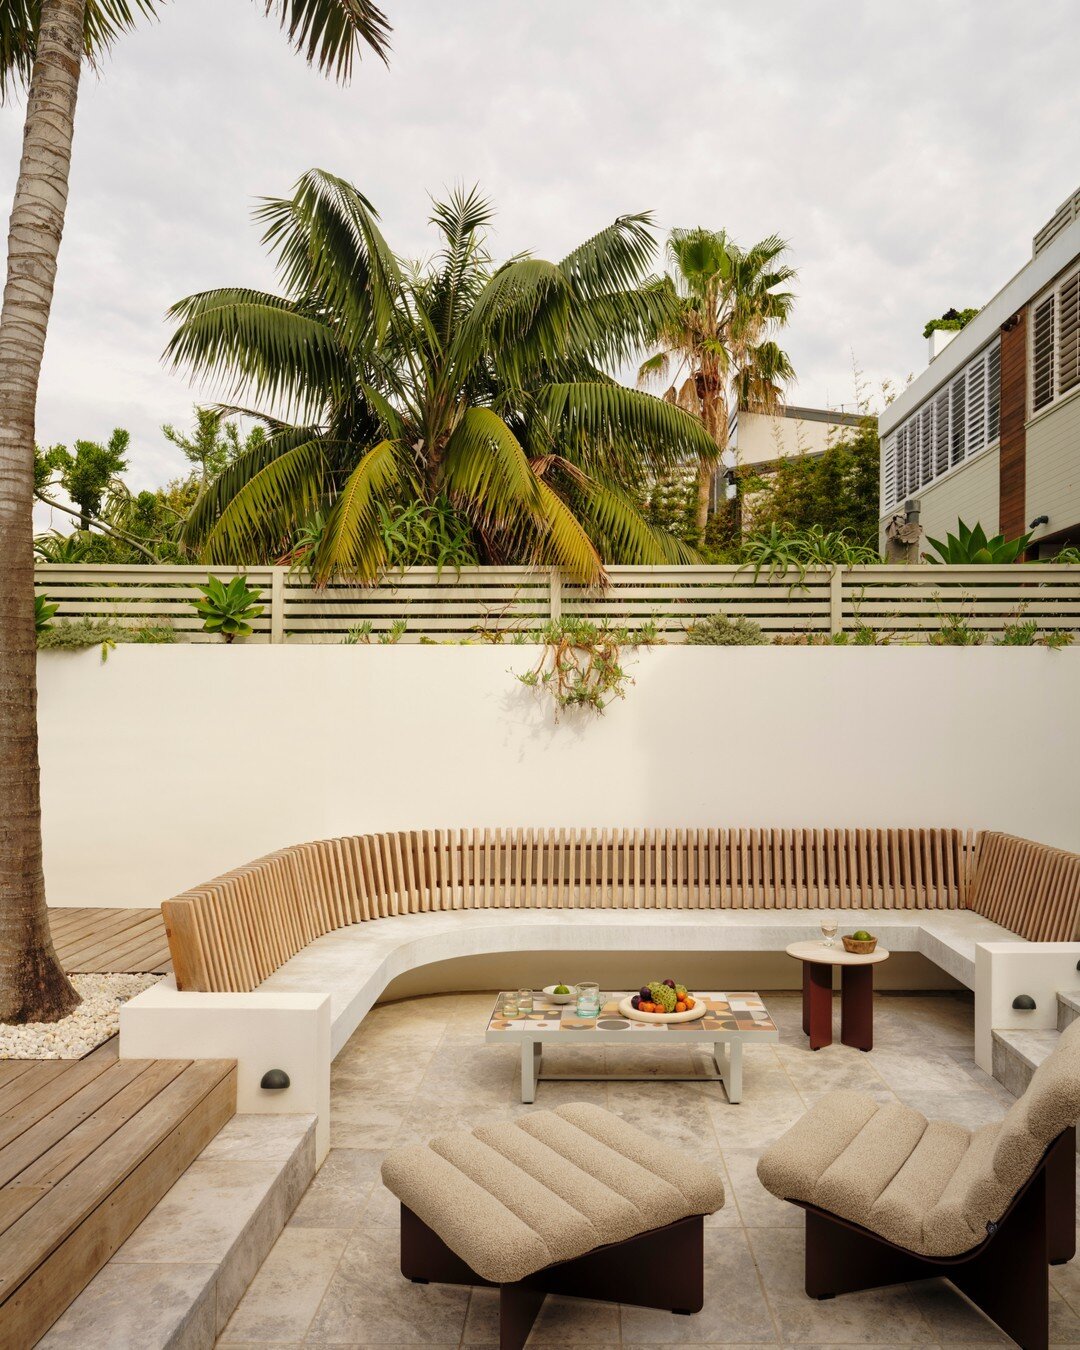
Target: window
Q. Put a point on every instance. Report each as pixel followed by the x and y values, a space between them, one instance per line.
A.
pixel 959 421
pixel 1055 342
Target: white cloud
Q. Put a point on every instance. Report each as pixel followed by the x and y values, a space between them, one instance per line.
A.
pixel 907 152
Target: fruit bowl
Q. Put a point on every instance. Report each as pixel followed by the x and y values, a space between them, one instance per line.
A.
pixel 549 989
pixel 691 1015
pixel 858 946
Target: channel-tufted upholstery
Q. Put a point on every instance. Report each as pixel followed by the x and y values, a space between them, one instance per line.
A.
pixel 515 1197
pixel 929 1186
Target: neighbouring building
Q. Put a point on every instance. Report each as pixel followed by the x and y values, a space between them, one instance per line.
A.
pixel 759 440
pixel 990 431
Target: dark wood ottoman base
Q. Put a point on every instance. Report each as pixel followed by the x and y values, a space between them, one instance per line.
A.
pixel 664 1268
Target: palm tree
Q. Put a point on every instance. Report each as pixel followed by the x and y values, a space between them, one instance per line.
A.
pixel 460 384
pixel 715 353
pixel 42 47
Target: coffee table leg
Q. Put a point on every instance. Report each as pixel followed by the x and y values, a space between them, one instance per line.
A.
pixel 530 1067
pixel 857 1007
pixel 728 1058
pixel 817 1003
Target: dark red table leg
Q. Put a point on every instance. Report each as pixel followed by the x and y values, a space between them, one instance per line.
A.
pixel 857 1006
pixel 817 1003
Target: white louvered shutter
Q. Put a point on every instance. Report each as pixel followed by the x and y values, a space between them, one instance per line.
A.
pixel 976 406
pixel 959 420
pixel 926 444
pixel 1069 334
pixel 888 482
pixel 993 393
pixel 1042 355
pixel 941 433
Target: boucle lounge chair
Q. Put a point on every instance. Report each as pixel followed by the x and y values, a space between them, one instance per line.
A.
pixel 891 1197
pixel 573 1201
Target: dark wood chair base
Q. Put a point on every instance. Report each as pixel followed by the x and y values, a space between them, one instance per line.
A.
pixel 664 1268
pixel 1006 1276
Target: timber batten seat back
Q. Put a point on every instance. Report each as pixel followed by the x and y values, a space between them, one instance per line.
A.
pixel 232 933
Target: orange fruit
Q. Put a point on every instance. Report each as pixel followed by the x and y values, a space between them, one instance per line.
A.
pixel 680 1006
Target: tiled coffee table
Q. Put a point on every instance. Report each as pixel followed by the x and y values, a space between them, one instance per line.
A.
pixel 732 1020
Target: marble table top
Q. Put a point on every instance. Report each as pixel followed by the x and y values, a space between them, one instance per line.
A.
pixel 817 953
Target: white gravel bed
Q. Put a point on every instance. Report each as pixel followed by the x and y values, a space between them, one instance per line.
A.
pixel 95 1019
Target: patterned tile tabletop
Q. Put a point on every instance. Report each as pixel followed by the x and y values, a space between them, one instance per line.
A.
pixel 727 1012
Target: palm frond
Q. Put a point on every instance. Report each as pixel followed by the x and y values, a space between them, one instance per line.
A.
pixel 244 340
pixel 615 521
pixel 331 33
pixel 20 20
pixel 352 542
pixel 486 470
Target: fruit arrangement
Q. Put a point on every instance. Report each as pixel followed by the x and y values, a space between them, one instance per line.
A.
pixel 662 996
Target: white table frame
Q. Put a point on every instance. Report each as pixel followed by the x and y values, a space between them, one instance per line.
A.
pixel 726 1055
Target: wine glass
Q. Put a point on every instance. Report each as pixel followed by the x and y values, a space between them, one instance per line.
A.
pixel 828 929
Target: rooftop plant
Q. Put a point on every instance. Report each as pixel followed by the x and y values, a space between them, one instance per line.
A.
pixel 951 321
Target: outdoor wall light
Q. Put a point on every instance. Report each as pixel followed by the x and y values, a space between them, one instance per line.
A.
pixel 1039 520
pixel 276 1079
pixel 1024 1003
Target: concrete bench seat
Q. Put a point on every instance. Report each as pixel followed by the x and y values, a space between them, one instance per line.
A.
pixel 355 965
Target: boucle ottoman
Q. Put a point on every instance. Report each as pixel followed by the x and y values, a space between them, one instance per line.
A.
pixel 574 1201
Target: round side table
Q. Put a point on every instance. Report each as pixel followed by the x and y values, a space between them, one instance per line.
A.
pixel 856 993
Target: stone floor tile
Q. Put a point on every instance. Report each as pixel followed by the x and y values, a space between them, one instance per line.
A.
pixel 285 1294
pixel 203 1212
pixel 754 1123
pixel 891 1316
pixel 735 1309
pixel 139 1305
pixel 748 1198
pixel 365 1121
pixel 368 1302
pixel 339 1193
pixel 254 1137
pixel 971 1109
pixel 951 1318
pixel 929 1070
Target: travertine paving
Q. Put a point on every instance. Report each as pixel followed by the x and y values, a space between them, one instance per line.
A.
pixel 420 1067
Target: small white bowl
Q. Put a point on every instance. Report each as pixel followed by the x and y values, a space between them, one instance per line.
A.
pixel 560 998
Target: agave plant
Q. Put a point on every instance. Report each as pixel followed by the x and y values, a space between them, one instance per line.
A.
pixel 972 546
pixel 228 609
pixel 44 610
pixel 458 381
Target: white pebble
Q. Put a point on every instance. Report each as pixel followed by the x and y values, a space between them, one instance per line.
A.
pixel 95 1019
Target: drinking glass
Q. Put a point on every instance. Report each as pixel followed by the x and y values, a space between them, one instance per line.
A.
pixel 828 929
pixel 510 1006
pixel 588 999
pixel 525 1000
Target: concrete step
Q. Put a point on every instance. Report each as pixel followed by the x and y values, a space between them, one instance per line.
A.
pixel 178 1278
pixel 1068 1008
pixel 1017 1054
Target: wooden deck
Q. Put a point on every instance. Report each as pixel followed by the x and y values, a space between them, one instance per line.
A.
pixel 87 1148
pixel 110 941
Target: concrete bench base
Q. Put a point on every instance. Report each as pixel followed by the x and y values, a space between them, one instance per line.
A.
pixel 664 1268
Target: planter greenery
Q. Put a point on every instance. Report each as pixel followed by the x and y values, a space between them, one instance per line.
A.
pixel 44 610
pixel 721 630
pixel 950 322
pixel 971 546
pixel 228 609
pixel 581 663
pixel 78 634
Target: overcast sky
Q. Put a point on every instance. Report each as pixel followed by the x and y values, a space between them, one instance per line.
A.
pixel 908 152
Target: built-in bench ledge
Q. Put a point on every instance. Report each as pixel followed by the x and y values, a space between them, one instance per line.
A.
pixel 278 962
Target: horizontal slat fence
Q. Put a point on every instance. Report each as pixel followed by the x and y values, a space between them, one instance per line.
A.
pixel 479 603
pixel 233 932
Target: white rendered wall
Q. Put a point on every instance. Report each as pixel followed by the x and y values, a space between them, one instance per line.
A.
pixel 168 765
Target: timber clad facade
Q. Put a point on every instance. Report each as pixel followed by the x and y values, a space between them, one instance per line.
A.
pixel 990 432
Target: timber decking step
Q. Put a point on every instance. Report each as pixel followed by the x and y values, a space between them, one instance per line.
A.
pixel 110 941
pixel 87 1148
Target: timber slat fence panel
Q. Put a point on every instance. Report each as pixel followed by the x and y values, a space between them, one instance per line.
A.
pixel 480 603
pixel 232 933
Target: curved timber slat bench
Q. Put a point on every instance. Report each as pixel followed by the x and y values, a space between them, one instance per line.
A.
pixel 233 933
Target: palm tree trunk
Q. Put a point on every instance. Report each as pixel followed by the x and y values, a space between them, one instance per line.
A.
pixel 33 987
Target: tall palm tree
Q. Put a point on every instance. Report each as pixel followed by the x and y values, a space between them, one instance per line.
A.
pixel 42 46
pixel 457 383
pixel 715 352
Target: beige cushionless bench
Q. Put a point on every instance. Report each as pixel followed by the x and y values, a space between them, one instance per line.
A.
pixel 231 934
pixel 891 1196
pixel 573 1201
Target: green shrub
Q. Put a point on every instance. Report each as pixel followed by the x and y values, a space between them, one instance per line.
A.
pixel 721 630
pixel 955 631
pixel 78 634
